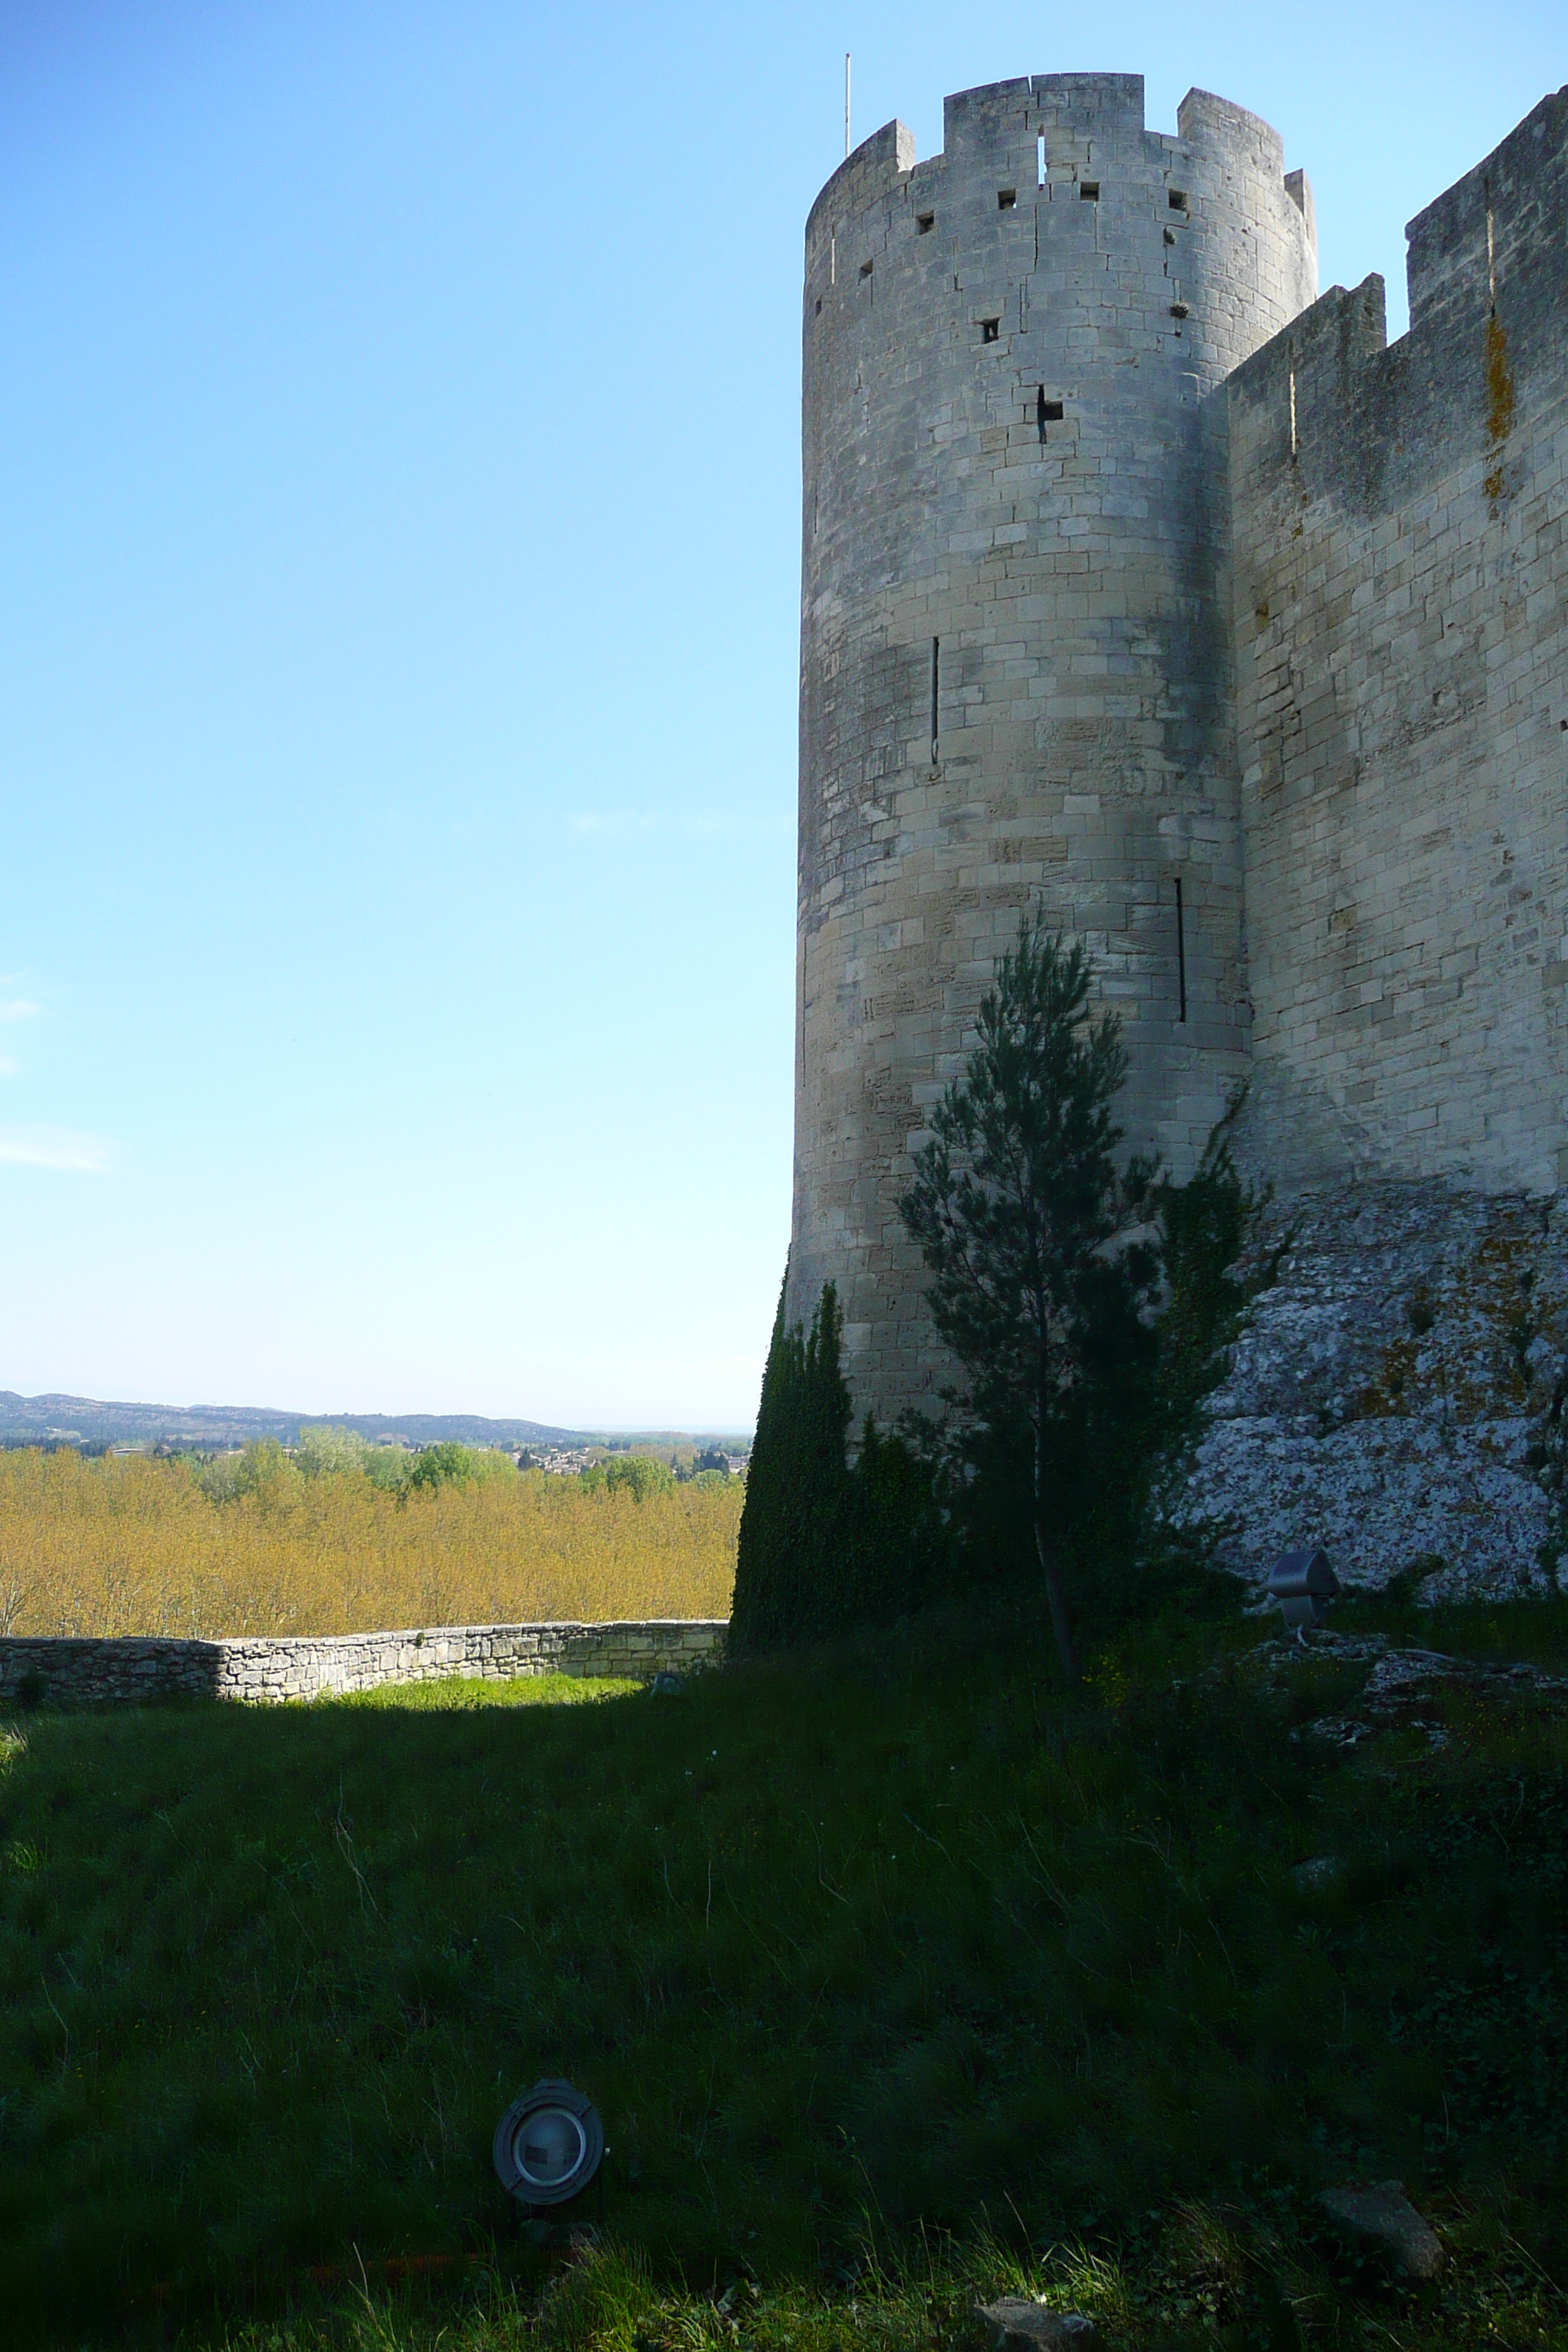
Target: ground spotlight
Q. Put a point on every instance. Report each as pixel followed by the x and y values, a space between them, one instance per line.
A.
pixel 1303 1584
pixel 549 2144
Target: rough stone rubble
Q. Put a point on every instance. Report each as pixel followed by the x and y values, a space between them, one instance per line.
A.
pixel 1397 1397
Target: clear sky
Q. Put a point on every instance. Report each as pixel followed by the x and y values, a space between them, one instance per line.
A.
pixel 398 608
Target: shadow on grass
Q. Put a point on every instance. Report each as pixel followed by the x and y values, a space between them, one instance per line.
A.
pixel 894 1938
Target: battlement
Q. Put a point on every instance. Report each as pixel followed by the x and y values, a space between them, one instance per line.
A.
pixel 1397 523
pixel 1499 227
pixel 1144 591
pixel 1014 676
pixel 1087 122
pixel 1329 408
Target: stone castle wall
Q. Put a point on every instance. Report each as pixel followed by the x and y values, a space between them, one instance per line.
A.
pixel 1400 619
pixel 1016 675
pixel 134 1672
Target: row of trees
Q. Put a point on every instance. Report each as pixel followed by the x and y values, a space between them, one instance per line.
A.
pixel 262 1466
pixel 1088 1304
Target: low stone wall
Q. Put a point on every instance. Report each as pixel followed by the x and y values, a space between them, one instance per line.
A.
pixel 132 1672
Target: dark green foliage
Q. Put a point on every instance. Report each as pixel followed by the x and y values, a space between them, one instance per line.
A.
pixel 1213 1264
pixel 825 1544
pixel 1089 1306
pixel 788 1557
pixel 1038 1279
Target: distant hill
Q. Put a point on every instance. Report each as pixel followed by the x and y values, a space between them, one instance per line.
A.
pixel 210 1428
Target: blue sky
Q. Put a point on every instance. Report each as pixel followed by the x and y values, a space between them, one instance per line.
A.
pixel 398 607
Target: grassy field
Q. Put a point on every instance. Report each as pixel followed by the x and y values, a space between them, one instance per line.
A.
pixel 893 1970
pixel 136 1545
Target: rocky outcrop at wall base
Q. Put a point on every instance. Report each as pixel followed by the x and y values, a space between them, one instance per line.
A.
pixel 1398 1396
pixel 130 1672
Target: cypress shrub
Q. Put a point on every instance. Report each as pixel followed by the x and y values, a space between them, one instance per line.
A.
pixel 825 1544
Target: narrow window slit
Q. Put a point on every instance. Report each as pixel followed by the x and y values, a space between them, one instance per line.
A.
pixel 1047 412
pixel 1181 955
pixel 935 696
pixel 1040 160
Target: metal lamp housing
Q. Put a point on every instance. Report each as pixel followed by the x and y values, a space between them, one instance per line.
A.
pixel 549 2144
pixel 1303 1583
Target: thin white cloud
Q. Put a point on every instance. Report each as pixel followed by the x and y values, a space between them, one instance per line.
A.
pixel 9 1065
pixel 18 1008
pixel 54 1147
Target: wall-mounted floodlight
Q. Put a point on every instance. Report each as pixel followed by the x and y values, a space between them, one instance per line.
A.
pixel 1303 1584
pixel 549 2144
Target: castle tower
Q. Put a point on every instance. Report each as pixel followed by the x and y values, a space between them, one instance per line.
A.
pixel 1014 678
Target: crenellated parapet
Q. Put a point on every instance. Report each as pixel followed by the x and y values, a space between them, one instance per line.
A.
pixel 1400 612
pixel 1016 680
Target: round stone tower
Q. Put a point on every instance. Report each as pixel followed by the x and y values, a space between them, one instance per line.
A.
pixel 1015 683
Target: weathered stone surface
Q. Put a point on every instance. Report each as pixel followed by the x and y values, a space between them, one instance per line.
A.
pixel 1012 2323
pixel 1383 2210
pixel 1395 1396
pixel 1145 592
pixel 136 1672
pixel 1400 630
pixel 1015 683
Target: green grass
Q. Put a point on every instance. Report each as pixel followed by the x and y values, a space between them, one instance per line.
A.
pixel 889 1969
pixel 460 1692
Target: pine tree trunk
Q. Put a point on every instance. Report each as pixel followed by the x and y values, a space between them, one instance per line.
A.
pixel 1045 1551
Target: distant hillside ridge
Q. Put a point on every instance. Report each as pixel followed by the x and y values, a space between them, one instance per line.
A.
pixel 210 1428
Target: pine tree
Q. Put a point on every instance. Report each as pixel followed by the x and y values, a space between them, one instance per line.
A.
pixel 1037 1281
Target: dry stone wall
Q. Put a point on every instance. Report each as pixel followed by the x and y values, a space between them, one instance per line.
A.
pixel 135 1672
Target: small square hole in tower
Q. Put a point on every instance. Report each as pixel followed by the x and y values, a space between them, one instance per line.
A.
pixel 1177 199
pixel 1088 192
pixel 866 268
pixel 1005 199
pixel 1050 412
pixel 819 306
pixel 990 330
pixel 924 223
